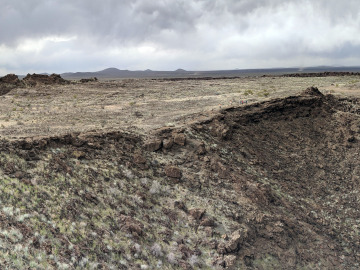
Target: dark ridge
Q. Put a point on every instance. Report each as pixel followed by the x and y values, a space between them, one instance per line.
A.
pixel 8 82
pixel 317 74
pixel 40 79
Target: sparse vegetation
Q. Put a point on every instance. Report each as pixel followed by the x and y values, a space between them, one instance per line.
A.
pixel 263 93
pixel 231 189
pixel 248 92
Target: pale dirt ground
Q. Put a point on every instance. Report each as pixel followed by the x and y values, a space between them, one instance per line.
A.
pixel 143 104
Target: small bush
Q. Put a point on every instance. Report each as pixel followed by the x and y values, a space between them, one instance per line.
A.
pixel 248 92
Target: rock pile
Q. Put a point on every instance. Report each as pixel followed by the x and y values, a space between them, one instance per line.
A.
pixel 10 78
pixel 8 82
pixel 40 79
pixel 93 79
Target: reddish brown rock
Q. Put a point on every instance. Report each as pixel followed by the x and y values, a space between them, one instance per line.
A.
pixel 152 145
pixel 197 213
pixel 168 143
pixel 201 149
pixel 208 222
pixel 186 251
pixel 236 239
pixel 173 172
pixel 220 129
pixel 78 154
pixel 180 139
pixel 218 167
pixel 139 159
pixel 230 261
pixel 181 205
pixel 221 248
pixel 131 225
pixel 9 168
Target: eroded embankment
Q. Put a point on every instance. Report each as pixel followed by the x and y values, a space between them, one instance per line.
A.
pixel 267 186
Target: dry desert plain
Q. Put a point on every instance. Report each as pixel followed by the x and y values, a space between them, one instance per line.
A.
pixel 144 104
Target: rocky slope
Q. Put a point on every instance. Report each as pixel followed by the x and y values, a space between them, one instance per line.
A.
pixel 271 185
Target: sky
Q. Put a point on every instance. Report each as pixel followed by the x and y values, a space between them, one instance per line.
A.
pixel 57 36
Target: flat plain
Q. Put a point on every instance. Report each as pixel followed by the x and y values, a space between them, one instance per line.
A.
pixel 144 104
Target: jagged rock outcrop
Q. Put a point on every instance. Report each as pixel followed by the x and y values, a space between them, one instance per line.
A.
pixel 40 79
pixel 8 82
pixel 11 79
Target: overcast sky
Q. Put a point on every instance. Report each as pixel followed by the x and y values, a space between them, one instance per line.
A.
pixel 90 35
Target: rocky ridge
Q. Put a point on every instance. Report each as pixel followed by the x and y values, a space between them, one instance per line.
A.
pixel 271 185
pixel 10 81
pixel 40 79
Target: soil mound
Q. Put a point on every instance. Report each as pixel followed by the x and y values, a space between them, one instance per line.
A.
pixel 271 185
pixel 40 79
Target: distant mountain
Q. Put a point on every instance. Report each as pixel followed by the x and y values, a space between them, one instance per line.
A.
pixel 114 73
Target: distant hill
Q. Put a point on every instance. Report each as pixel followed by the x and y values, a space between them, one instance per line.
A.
pixel 114 73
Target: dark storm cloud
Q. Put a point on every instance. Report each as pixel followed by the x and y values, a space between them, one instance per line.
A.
pixel 164 34
pixel 28 19
pixel 103 20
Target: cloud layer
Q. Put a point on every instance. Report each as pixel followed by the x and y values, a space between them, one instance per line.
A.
pixel 74 35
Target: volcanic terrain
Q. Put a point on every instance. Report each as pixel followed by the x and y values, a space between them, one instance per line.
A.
pixel 233 178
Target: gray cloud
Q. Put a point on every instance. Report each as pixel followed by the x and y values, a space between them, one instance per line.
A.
pixel 199 34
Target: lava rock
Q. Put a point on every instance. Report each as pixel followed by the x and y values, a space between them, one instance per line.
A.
pixel 312 91
pixel 139 159
pixel 236 239
pixel 173 172
pixel 197 213
pixel 168 143
pixel 153 145
pixel 10 78
pixel 208 222
pixel 180 139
